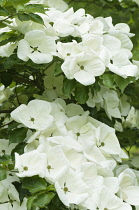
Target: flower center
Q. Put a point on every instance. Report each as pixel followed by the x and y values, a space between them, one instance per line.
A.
pixel 25 168
pixel 32 119
pixel 49 167
pixel 65 189
pixel 78 134
pixel 102 144
pixel 82 67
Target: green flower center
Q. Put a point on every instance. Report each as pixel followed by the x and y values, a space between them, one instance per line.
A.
pixel 102 144
pixel 82 67
pixel 65 189
pixel 49 167
pixel 25 168
pixel 78 134
pixel 32 119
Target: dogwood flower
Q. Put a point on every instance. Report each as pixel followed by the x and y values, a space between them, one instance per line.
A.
pixel 129 189
pixel 84 68
pixel 30 164
pixel 32 115
pixel 71 189
pixel 36 46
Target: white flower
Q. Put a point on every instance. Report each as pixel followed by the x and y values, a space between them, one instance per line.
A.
pixel 111 202
pixel 68 49
pixel 30 164
pixel 57 163
pixel 84 68
pixel 36 46
pixel 107 140
pixel 71 189
pixel 122 66
pixel 35 115
pixel 7 50
pixel 129 189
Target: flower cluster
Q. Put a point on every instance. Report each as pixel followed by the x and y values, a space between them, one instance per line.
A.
pixel 96 45
pixel 77 154
pixel 52 59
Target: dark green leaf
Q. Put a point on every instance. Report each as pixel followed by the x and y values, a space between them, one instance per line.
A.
pixel 10 39
pixel 2 174
pixel 23 17
pixel 19 149
pixel 3 11
pixel 68 86
pixel 22 192
pixel 12 60
pixel 6 79
pixel 3 134
pixel 34 184
pixel 36 18
pixel 43 199
pixel 18 135
pixel 81 93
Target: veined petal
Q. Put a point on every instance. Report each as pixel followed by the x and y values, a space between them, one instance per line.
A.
pixel 23 50
pixel 132 194
pixel 84 78
pixel 39 58
pixel 125 71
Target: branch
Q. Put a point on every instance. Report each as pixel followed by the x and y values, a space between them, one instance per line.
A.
pixel 8 17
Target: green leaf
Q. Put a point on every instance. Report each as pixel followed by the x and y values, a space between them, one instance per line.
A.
pixel 18 135
pixel 4 134
pixel 31 8
pixel 122 83
pixel 4 159
pixel 43 199
pixel 36 18
pixel 22 192
pixel 57 70
pixel 34 184
pixel 17 2
pixel 23 17
pixel 108 80
pixel 6 79
pixel 12 60
pixel 81 93
pixel 10 39
pixel 2 174
pixel 30 202
pixel 19 149
pixel 68 86
pixel 3 11
pixel 3 3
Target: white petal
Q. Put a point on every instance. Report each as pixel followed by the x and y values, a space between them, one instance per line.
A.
pixel 23 50
pixel 39 58
pixel 132 194
pixel 84 78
